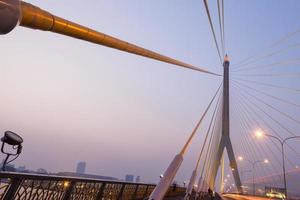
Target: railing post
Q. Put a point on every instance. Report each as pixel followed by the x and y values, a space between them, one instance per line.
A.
pixel 69 190
pixel 135 192
pixel 146 191
pixel 100 193
pixel 13 188
pixel 121 192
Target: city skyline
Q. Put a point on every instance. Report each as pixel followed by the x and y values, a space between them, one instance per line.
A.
pixel 76 101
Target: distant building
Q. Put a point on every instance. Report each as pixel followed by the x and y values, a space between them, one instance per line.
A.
pixel 137 179
pixel 81 168
pixel 41 171
pixel 10 168
pixel 21 168
pixel 129 178
pixel 91 176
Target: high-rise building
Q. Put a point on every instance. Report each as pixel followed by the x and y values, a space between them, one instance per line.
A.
pixel 137 179
pixel 129 178
pixel 81 167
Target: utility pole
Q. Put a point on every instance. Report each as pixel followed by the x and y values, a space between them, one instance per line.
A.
pixel 225 139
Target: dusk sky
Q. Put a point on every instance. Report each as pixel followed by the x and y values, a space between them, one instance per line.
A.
pixel 123 114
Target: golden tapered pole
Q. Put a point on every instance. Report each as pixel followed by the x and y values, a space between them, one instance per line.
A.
pixel 33 17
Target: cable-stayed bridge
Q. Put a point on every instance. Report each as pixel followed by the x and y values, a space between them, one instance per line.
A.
pixel 237 97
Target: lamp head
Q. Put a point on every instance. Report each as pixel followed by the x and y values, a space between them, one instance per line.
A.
pixel 259 134
pixel 266 161
pixel 240 158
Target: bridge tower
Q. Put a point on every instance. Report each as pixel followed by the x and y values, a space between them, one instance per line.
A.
pixel 225 139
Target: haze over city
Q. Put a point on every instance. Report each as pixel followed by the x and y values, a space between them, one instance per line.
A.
pixel 123 114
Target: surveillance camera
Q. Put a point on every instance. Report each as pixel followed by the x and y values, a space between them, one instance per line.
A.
pixel 11 138
pixel 9 15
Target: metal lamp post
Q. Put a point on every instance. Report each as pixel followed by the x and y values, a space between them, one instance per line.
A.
pixel 282 142
pixel 253 169
pixel 253 172
pixel 244 171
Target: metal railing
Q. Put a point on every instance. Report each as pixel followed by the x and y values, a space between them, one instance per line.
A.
pixel 23 186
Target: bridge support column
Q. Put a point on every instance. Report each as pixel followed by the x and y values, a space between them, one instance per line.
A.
pixel 222 174
pixel 225 139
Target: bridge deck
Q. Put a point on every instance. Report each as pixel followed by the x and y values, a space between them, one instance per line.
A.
pixel 242 197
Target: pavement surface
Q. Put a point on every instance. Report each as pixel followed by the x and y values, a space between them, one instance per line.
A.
pixel 242 197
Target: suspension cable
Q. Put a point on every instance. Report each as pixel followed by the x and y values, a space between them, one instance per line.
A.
pixel 245 119
pixel 212 29
pixel 252 112
pixel 269 85
pixel 273 108
pixel 223 23
pixel 280 63
pixel 268 95
pixel 289 75
pixel 267 55
pixel 183 150
pixel 281 40
pixel 270 117
pixel 221 27
pixel 207 132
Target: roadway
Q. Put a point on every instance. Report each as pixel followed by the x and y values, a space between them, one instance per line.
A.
pixel 242 197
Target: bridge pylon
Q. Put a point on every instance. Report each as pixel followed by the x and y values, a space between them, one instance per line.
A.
pixel 225 141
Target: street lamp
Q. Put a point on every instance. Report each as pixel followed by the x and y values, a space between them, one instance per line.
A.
pixel 266 161
pixel 260 134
